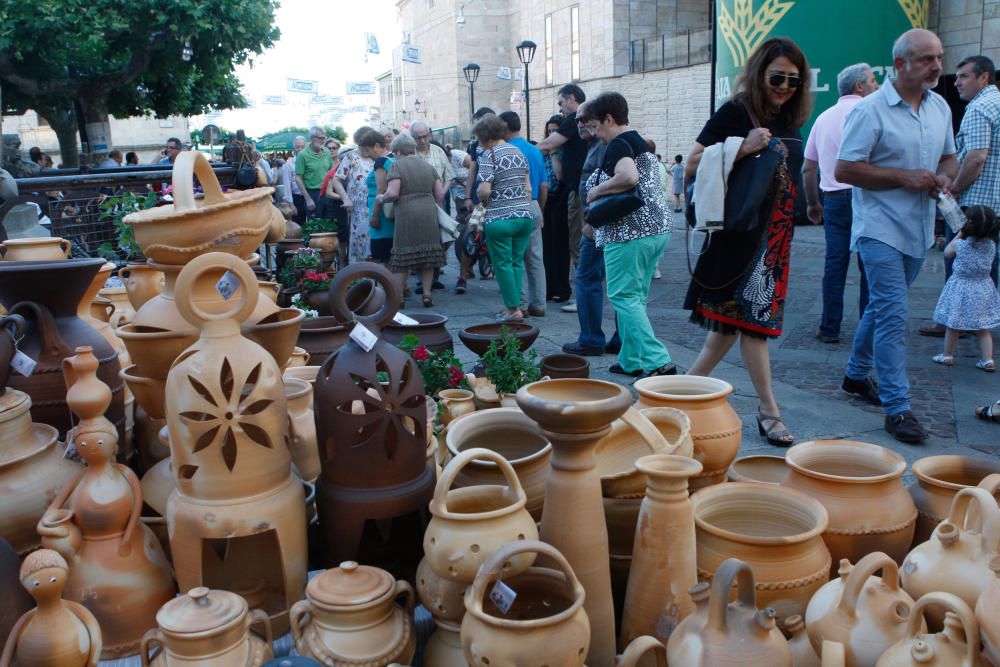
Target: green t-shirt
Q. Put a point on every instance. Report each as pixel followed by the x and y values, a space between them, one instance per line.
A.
pixel 312 167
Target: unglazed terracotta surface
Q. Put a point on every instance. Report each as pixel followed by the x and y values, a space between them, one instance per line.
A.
pixel 803 654
pixel 760 469
pixel 123 312
pixel 557 366
pixel 142 283
pixel 955 646
pixel 36 249
pixel 939 478
pixel 16 600
pixel 456 402
pixel 302 428
pixel 478 337
pixel 988 616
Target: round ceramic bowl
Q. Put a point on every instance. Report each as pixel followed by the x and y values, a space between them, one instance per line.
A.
pixel 478 337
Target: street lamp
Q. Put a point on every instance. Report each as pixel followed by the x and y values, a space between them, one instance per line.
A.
pixel 471 72
pixel 526 53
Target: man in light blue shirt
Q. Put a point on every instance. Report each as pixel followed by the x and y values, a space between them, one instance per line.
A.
pixel 898 152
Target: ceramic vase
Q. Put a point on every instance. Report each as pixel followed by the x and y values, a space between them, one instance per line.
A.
pixel 939 478
pixel 955 646
pixel 302 428
pixel 142 283
pixel 803 654
pixel 988 616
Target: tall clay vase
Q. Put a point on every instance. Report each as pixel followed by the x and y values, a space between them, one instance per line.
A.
pixel 939 478
pixel 716 429
pixel 142 283
pixel 988 616
pixel 575 415
pixel 955 646
pixel 664 562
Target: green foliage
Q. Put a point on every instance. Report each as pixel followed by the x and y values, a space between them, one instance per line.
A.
pixel 107 251
pixel 116 208
pixel 507 367
pixel 439 370
pixel 337 132
pixel 317 226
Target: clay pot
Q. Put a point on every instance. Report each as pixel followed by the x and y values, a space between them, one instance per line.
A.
pixel 716 429
pixel 478 337
pixel 142 283
pixel 775 530
pixel 302 428
pixel 431 330
pixel 457 402
pixel 441 596
pixel 11 329
pixel 956 646
pixel 234 223
pixel 318 300
pixel 721 633
pixel 209 628
pixel 101 309
pixel 326 242
pixel 645 650
pixel 277 333
pixel 67 537
pixel 939 478
pixel 270 289
pixel 321 337
pixel 42 249
pixel 861 487
pixel 106 327
pixel 546 623
pixel 759 469
pixel 803 654
pixel 864 613
pixel 293 231
pixel 124 312
pixel 557 366
pixel 349 618
pixel 277 228
pixel 986 615
pixel 15 597
pixel 298 358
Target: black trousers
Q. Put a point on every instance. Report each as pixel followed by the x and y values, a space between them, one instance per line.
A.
pixel 555 246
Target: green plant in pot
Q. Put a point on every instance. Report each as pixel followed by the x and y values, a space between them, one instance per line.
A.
pixel 507 367
pixel 317 226
pixel 115 209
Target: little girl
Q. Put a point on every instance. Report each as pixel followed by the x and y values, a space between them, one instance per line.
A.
pixel 969 300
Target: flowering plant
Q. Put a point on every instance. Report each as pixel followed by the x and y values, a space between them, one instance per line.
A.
pixel 298 301
pixel 315 280
pixel 439 370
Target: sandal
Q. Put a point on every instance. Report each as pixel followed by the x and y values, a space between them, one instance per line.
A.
pixel 944 359
pixel 774 430
pixel 428 302
pixel 989 413
pixel 986 365
pixel 516 316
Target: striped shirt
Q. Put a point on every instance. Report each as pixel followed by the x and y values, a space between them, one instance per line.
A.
pixel 980 129
pixel 509 196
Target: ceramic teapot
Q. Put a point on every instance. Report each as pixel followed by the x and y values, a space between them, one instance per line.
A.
pixel 956 646
pixel 208 628
pixel 988 615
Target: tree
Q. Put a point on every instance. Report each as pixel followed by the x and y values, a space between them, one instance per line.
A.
pixel 72 59
pixel 337 132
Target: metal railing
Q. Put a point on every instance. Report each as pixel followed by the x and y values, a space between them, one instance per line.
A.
pixel 670 51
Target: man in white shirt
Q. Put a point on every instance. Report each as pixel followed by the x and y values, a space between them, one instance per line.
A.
pixel 290 192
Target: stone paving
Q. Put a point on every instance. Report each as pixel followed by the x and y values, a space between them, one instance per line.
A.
pixel 807 373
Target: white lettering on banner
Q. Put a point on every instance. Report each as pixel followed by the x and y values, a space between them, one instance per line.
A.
pixel 814 86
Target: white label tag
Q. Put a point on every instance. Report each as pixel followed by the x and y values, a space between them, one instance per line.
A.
pixel 23 364
pixel 363 337
pixel 404 320
pixel 227 285
pixel 503 596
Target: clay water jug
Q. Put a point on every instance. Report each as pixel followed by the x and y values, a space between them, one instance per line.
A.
pixel 955 646
pixel 865 613
pixel 105 327
pixel 721 633
pixel 803 654
pixel 457 402
pixel 939 478
pixel 988 616
pixel 302 428
pixel 142 283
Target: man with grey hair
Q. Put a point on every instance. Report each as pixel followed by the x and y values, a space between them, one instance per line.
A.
pixel 834 209
pixel 311 167
pixel 290 191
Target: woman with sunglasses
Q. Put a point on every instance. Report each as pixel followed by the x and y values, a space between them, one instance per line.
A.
pixel 739 285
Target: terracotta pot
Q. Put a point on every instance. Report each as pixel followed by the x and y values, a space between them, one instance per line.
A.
pixel 636 434
pixel 106 327
pixel 321 337
pixel 803 654
pixel 759 469
pixel 62 534
pixel 956 646
pixel 775 530
pixel 208 628
pixel 270 289
pixel 11 329
pixel 720 633
pixel 277 228
pixel 441 596
pixel 318 300
pixel 478 338
pixel 142 283
pixel 431 330
pixel 861 487
pixel 298 358
pixel 293 231
pixel 349 618
pixel 16 599
pixel 864 613
pixel 444 648
pixel 939 478
pixel 302 428
pixel 546 624
pixel 557 366
pixel 277 333
pixel 716 429
pixel 234 223
pixel 457 402
pixel 324 242
pixel 39 249
pixel 124 312
pixel 662 570
pixel 957 558
pixel 101 309
pixel 987 617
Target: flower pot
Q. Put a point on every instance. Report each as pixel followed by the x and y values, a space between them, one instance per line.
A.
pixel 318 300
pixel 430 330
pixel 327 244
pixel 42 249
pixel 939 478
pixel 321 337
pixel 478 337
pixel 142 283
pixel 557 366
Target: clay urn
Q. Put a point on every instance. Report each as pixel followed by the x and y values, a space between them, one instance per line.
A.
pixel 721 633
pixel 866 614
pixel 760 469
pixel 208 628
pixel 861 486
pixel 957 645
pixel 142 283
pixel 716 429
pixel 988 615
pixel 277 226
pixel 478 337
pixel 38 249
pixel 326 243
pixel 456 402
pixel 350 617
pixel 545 624
pixel 803 654
pixel 939 478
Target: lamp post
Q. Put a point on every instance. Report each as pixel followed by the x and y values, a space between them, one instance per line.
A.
pixel 471 72
pixel 526 53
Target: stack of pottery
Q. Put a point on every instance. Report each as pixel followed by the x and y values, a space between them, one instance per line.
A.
pixel 939 478
pixel 957 645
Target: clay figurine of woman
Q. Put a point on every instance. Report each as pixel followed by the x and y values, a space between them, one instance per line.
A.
pixel 57 631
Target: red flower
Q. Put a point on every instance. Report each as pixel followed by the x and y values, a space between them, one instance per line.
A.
pixel 312 275
pixel 454 375
pixel 421 353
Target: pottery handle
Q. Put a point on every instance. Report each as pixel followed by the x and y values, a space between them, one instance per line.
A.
pixel 125 274
pixel 260 616
pixel 984 517
pixel 638 648
pixel 404 588
pixel 347 277
pixel 492 569
pixel 722 583
pixel 15 325
pixel 53 346
pixel 647 431
pixel 957 606
pixel 990 483
pixel 151 637
pixel 439 504
pixel 246 299
pixel 66 247
pixel 833 654
pixel 859 574
pixel 186 165
pixel 297 617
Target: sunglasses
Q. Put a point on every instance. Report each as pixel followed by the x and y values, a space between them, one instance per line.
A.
pixel 778 79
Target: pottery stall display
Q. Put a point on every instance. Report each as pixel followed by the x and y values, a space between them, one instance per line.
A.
pixel 43 249
pixel 988 616
pixel 716 429
pixel 864 613
pixel 117 569
pixel 350 617
pixel 478 337
pixel 557 366
pixel 574 416
pixel 16 600
pixel 957 645
pixel 57 632
pixel 775 530
pixel 761 469
pixel 430 330
pixel 722 633
pixel 861 486
pixel 237 518
pixel 302 428
pixel 803 653
pixel 208 628
pixel 939 478
pixel 142 283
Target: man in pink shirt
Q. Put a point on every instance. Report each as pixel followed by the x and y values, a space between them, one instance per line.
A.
pixel 834 209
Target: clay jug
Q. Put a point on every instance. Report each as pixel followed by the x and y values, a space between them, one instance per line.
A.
pixel 988 616
pixel 956 646
pixel 124 313
pixel 546 624
pixel 105 327
pixel 11 330
pixel 664 561
pixel 716 429
pixel 44 249
pixel 299 357
pixel 803 654
pixel 721 633
pixel 16 599
pixel 956 559
pixel 861 487
pixel 57 632
pixel 142 283
pixel 302 428
pixel 349 617
pixel 457 402
pixel 775 530
pixel 864 613
pixel 939 478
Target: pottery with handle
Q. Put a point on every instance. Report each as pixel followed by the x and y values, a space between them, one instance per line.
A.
pixel 37 249
pixel 938 479
pixel 957 645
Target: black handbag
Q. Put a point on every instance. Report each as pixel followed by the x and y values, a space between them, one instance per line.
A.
pixel 246 174
pixel 612 208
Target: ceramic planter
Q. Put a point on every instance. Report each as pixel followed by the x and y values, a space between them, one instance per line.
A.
pixel 988 617
pixel 142 283
pixel 318 300
pixel 759 469
pixel 478 338
pixel 956 646
pixel 41 249
pixel 557 366
pixel 939 478
pixel 430 329
pixel 302 428
pixel 327 244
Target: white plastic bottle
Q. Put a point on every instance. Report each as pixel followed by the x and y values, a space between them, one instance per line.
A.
pixel 951 212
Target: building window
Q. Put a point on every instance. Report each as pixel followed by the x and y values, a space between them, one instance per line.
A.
pixel 549 69
pixel 574 41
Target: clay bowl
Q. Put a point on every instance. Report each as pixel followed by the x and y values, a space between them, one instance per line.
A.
pixel 557 366
pixel 154 350
pixel 276 333
pixel 759 469
pixel 573 406
pixel 431 330
pixel 478 337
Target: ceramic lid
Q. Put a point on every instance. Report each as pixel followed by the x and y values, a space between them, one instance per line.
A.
pixel 350 584
pixel 201 610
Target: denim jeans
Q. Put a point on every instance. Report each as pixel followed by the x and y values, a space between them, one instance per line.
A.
pixel 881 337
pixel 533 292
pixel 837 229
pixel 589 286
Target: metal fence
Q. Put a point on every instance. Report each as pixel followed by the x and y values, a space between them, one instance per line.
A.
pixel 670 51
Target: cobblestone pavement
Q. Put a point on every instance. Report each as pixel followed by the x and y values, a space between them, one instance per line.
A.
pixel 807 373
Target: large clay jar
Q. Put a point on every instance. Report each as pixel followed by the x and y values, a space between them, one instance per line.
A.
pixel 45 249
pixel 716 429
pixel 349 618
pixel 761 469
pixel 207 628
pixel 546 625
pixel 16 600
pixel 322 336
pixel 862 489
pixel 955 646
pixel 142 283
pixel 956 559
pixel 939 478
pixel 302 428
pixel 663 562
pixel 775 530
pixel 866 614
pixel 721 633
pixel 237 520
pixel 803 654
pixel 988 616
